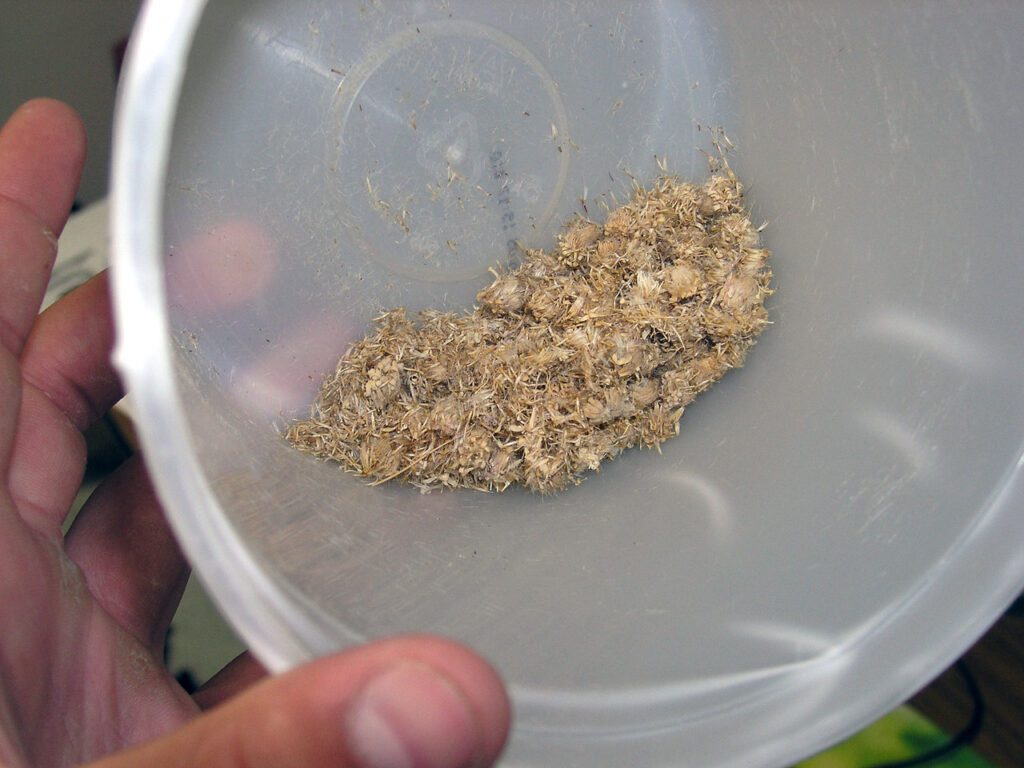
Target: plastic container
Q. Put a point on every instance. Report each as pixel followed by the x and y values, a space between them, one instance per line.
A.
pixel 836 522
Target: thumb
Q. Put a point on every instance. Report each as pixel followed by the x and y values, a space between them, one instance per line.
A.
pixel 411 702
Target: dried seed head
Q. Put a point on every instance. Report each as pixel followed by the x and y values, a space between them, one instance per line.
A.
pixel 594 410
pixel 573 244
pixel 501 464
pixel 446 416
pixel 753 261
pixel 682 281
pixel 506 353
pixel 474 450
pixel 645 291
pixel 734 231
pixel 644 392
pixel 544 305
pixel 706 206
pixel 383 382
pixel 609 247
pixel 620 222
pixel 739 292
pixel 570 359
pixel 506 294
pixel 436 371
pixel 660 423
pixel 542 358
pixel 706 370
pixel 618 403
pixel 726 191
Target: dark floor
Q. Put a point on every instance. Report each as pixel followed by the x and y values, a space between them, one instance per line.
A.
pixel 997 664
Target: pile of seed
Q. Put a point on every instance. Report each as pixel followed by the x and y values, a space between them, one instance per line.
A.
pixel 567 361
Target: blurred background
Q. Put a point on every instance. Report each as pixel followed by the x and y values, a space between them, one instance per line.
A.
pixel 72 50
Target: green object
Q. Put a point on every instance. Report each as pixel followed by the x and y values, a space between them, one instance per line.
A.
pixel 900 735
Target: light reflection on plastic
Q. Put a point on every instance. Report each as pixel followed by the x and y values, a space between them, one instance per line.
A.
pixel 790 639
pixel 285 380
pixel 712 500
pixel 952 346
pixel 904 441
pixel 292 53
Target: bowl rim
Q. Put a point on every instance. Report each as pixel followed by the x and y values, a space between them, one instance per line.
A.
pixel 147 99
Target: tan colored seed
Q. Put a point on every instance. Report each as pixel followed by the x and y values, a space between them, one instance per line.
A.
pixel 682 281
pixel 506 294
pixel 571 358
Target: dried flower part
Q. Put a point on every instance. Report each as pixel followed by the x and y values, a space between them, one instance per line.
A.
pixel 682 281
pixel 570 359
pixel 578 238
pixel 506 294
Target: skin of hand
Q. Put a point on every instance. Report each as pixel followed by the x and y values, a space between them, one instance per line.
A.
pixel 83 616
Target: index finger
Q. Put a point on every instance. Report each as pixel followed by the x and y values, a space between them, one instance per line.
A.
pixel 42 149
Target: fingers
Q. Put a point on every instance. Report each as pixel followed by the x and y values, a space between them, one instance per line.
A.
pixel 46 463
pixel 27 252
pixel 10 396
pixel 42 149
pixel 128 556
pixel 69 384
pixel 413 702
pixel 242 672
pixel 67 355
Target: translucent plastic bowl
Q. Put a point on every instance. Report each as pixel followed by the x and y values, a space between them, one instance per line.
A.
pixel 836 522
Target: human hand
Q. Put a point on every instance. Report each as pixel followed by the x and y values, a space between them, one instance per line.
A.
pixel 83 616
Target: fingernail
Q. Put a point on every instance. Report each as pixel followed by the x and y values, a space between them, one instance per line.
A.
pixel 411 716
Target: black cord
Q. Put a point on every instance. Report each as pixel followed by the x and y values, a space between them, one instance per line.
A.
pixel 966 735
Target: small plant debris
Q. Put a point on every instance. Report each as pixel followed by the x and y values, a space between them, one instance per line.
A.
pixel 568 360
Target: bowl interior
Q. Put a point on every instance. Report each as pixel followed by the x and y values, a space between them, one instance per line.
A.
pixel 332 160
